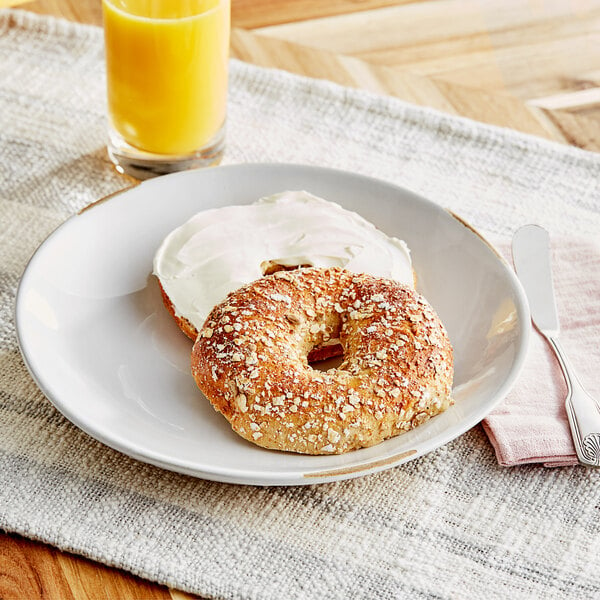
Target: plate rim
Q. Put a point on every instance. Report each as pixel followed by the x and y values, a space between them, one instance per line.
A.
pixel 279 477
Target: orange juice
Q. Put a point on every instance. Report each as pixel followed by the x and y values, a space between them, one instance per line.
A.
pixel 166 68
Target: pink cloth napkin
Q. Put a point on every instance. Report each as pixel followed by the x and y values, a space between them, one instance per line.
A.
pixel 530 425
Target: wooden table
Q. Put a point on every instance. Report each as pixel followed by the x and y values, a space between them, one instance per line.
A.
pixel 533 66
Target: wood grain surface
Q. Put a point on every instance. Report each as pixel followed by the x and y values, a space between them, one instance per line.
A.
pixel 532 66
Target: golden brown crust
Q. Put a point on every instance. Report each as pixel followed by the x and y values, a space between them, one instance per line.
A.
pixel 250 360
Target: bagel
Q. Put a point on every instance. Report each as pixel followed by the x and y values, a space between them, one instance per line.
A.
pixel 219 250
pixel 250 360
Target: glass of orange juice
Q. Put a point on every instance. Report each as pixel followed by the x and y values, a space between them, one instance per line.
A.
pixel 166 70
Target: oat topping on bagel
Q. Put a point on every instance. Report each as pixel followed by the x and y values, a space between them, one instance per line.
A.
pixel 250 360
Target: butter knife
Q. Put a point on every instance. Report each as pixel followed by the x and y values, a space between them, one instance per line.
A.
pixel 531 257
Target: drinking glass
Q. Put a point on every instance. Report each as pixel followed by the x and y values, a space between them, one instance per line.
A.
pixel 166 71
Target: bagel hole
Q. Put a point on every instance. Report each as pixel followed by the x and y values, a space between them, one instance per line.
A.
pixel 268 267
pixel 326 356
pixel 327 363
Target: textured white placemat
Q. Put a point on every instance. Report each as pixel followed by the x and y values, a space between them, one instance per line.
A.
pixel 450 525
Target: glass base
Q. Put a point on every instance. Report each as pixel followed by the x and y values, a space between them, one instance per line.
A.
pixel 143 165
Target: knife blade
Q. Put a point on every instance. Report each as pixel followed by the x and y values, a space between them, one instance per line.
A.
pixel 531 257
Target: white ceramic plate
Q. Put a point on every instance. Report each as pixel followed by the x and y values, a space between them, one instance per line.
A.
pixel 97 340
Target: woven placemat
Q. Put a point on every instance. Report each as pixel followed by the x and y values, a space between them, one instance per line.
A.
pixel 452 524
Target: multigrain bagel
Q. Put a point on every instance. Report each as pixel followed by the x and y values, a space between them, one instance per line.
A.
pixel 250 360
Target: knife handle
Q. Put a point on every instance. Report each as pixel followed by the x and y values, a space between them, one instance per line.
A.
pixel 583 411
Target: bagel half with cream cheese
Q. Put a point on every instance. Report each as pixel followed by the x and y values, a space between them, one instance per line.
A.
pixel 222 249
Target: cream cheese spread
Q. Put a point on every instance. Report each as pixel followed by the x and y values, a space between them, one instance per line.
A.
pixel 219 250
